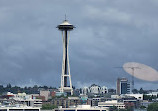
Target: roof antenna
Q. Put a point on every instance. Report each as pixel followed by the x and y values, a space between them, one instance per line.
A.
pixel 65 17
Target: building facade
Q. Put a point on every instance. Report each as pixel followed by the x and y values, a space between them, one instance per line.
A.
pixel 66 102
pixel 21 99
pixel 94 89
pixel 45 93
pixel 123 86
pixel 19 109
pixel 82 108
pixel 108 104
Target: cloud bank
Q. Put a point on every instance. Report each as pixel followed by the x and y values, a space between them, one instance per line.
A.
pixel 107 35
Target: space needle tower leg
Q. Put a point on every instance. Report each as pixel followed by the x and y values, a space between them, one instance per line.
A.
pixel 66 87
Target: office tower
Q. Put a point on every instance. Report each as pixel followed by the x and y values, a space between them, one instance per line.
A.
pixel 123 86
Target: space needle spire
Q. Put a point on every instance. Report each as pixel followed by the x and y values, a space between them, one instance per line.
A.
pixel 66 85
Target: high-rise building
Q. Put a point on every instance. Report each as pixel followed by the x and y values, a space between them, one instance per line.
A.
pixel 123 86
pixel 66 85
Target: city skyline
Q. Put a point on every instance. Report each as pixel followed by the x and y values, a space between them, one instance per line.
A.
pixel 109 34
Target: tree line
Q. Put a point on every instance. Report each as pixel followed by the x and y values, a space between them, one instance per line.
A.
pixel 29 90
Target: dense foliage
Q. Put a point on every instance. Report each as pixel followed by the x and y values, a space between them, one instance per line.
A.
pixel 153 107
pixel 113 108
pixel 48 106
pixel 148 97
pixel 17 89
pixel 140 91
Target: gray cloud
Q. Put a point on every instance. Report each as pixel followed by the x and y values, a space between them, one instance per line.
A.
pixel 108 34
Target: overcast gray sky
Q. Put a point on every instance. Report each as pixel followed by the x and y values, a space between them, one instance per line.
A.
pixel 108 34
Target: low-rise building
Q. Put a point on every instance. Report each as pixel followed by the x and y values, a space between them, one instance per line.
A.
pixel 153 94
pixel 20 99
pixel 66 102
pixel 130 100
pixel 81 108
pixel 94 101
pixel 137 96
pixel 45 93
pixel 108 104
pixel 19 108
pixel 145 103
pixel 94 89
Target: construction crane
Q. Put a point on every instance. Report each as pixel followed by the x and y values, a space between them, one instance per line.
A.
pixel 133 68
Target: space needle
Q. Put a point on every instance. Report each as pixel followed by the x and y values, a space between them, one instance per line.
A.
pixel 66 85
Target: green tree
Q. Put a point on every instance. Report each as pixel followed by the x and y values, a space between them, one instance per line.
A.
pixel 149 97
pixel 135 91
pixel 45 87
pixel 141 91
pixel 125 110
pixel 113 108
pixel 153 107
pixel 48 106
pixel 142 107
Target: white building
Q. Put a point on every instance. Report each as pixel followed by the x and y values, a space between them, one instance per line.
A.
pixel 137 96
pixel 24 99
pixel 108 104
pixel 19 108
pixel 152 94
pixel 104 90
pixel 28 100
pixel 115 96
pixel 82 108
pixel 45 94
pixel 85 90
pixel 95 89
